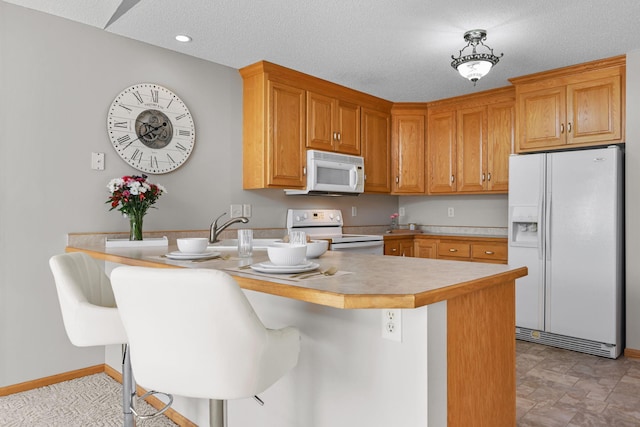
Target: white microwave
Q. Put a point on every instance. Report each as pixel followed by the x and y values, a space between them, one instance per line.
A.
pixel 332 174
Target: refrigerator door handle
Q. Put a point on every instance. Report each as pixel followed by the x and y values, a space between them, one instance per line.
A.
pixel 547 226
pixel 540 228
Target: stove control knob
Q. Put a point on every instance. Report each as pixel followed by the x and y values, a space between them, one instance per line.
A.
pixel 338 218
pixel 297 218
pixel 306 215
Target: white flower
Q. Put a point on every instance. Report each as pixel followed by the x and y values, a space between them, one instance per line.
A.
pixel 134 188
pixel 115 184
pixel 161 188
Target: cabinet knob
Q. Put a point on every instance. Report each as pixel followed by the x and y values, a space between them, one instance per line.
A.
pixel 453 250
pixel 393 249
pixel 452 178
pixel 489 176
pixel 482 177
pixel 304 171
pixel 569 127
pixel 397 179
pixel 489 252
pixel 339 136
pixel 561 127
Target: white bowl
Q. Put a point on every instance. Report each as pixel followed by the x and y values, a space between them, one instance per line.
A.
pixel 192 245
pixel 287 254
pixel 315 248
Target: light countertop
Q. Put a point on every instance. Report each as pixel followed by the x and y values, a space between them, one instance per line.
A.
pixel 365 281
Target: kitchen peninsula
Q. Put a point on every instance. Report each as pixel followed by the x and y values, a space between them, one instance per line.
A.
pixel 454 366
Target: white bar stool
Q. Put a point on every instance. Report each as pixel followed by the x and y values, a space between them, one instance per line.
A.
pixel 195 334
pixel 91 318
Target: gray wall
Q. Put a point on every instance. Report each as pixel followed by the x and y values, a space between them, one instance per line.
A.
pixel 632 161
pixel 57 79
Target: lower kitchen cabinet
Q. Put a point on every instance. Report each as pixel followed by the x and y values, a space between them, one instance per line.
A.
pixel 398 245
pixel 462 248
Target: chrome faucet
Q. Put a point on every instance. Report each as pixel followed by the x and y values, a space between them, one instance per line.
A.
pixel 215 230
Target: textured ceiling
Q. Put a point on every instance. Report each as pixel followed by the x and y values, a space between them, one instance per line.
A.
pixel 397 50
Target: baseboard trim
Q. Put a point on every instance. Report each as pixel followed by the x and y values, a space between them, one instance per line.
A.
pixel 172 414
pixel 630 352
pixel 53 379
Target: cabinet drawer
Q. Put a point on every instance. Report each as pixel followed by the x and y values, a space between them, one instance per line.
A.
pixel 454 249
pixel 493 251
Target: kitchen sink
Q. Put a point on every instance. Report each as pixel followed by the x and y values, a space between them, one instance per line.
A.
pixel 232 244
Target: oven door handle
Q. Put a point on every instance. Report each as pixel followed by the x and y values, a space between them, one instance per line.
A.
pixel 348 245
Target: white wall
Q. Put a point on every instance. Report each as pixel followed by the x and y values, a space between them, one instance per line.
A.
pixel 57 79
pixel 632 161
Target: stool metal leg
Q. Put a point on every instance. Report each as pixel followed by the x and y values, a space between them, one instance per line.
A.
pixel 217 413
pixel 128 389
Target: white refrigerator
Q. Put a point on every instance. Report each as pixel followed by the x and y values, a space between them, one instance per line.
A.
pixel 566 225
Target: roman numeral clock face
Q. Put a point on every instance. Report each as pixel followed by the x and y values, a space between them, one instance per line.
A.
pixel 151 128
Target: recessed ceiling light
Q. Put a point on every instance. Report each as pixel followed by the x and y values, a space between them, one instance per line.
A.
pixel 183 38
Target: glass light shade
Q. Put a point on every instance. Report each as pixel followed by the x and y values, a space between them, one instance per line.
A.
pixel 474 69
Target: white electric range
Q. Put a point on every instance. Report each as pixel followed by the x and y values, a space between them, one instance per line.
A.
pixel 327 224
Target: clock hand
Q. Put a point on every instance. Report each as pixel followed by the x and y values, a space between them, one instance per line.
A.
pixel 145 134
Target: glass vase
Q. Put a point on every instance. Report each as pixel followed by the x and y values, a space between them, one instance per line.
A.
pixel 135 225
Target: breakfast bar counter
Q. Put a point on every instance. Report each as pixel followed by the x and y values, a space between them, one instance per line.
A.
pixel 363 281
pixel 450 363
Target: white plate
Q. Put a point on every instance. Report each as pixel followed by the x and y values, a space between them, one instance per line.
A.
pixel 270 265
pixel 187 256
pixel 285 269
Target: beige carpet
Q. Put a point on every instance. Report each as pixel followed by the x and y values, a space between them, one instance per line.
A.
pixel 94 400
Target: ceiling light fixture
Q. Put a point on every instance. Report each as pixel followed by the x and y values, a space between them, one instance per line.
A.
pixel 475 65
pixel 183 38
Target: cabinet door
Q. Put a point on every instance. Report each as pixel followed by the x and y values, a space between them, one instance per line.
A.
pixel 408 153
pixel 426 248
pixel 471 149
pixel 347 128
pixel 320 112
pixel 501 125
pixel 406 247
pixel 286 151
pixel 594 111
pixel 376 150
pixel 442 152
pixel 542 118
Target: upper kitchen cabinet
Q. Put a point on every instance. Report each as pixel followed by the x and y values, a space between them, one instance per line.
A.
pixel 408 126
pixel 577 106
pixel 376 150
pixel 332 124
pixel 286 112
pixel 274 129
pixel 469 140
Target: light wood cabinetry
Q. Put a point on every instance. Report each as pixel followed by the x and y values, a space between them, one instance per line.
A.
pixel 376 150
pixel 425 248
pixel 469 141
pixel 462 248
pixel 398 246
pixel 408 150
pixel 273 133
pixel 332 124
pixel 286 112
pixel 577 106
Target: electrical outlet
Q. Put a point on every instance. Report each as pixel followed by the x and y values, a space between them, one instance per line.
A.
pixel 235 211
pixel 246 210
pixel 450 212
pixel 401 211
pixel 392 324
pixel 354 211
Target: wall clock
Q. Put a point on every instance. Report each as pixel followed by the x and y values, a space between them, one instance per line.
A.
pixel 151 128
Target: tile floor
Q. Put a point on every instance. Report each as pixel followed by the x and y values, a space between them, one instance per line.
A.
pixel 561 388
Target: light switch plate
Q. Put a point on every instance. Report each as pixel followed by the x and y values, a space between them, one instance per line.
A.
pixel 97 161
pixel 235 211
